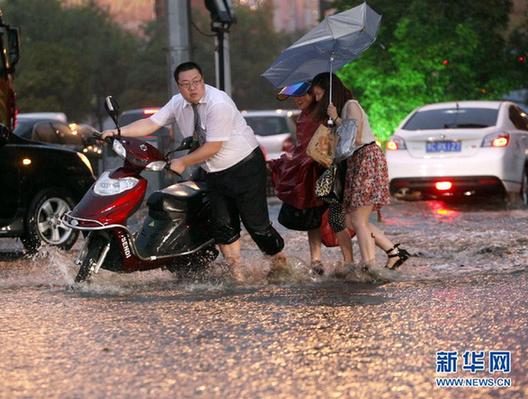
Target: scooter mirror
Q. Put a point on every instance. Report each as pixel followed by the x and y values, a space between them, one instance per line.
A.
pixel 112 108
pixel 186 144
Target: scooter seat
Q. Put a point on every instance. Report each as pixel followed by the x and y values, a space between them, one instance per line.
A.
pixel 178 198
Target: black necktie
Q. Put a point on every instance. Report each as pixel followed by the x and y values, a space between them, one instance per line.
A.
pixel 199 133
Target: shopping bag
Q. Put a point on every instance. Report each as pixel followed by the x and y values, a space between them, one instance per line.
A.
pixel 321 147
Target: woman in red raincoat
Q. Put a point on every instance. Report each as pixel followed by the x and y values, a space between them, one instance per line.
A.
pixel 294 176
pixel 295 173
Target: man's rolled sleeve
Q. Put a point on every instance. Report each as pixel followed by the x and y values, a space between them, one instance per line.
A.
pixel 165 115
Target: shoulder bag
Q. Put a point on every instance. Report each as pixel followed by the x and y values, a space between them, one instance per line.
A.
pixel 330 185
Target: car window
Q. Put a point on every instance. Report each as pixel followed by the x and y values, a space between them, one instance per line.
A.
pixel 67 135
pixel 55 133
pixel 23 128
pixel 452 118
pixel 130 117
pixel 44 132
pixel 518 118
pixel 268 125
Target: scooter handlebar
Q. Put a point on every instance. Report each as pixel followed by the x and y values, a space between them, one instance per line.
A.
pixel 99 136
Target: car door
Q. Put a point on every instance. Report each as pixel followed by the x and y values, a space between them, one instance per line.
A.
pixel 9 182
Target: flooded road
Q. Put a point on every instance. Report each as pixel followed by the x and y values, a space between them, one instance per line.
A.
pixel 148 335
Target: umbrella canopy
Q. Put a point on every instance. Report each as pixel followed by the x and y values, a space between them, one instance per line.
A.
pixel 336 41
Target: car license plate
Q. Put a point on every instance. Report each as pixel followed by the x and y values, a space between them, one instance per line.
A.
pixel 443 146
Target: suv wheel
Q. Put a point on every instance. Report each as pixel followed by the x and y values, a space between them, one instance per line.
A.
pixel 43 221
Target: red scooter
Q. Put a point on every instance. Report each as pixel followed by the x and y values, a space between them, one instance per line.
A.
pixel 176 233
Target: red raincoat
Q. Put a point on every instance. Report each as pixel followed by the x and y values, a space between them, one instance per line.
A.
pixel 294 175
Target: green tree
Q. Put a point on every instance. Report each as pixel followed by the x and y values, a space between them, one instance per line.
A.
pixel 147 76
pixel 433 51
pixel 517 56
pixel 70 57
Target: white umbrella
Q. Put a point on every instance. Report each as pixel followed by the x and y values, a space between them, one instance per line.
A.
pixel 336 41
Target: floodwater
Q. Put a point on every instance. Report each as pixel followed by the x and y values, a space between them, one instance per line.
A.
pixel 148 335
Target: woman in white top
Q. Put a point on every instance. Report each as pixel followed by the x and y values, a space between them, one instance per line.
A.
pixel 366 181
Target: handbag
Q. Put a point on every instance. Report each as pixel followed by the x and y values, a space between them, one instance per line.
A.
pixel 330 185
pixel 346 139
pixel 328 237
pixel 300 219
pixel 321 147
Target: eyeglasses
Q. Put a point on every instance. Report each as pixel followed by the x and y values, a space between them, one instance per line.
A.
pixel 188 85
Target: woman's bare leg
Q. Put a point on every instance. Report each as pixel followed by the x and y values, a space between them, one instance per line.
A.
pixel 358 219
pixel 380 238
pixel 384 243
pixel 314 241
pixel 345 244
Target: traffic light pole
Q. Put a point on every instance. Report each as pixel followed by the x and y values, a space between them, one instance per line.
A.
pixel 222 59
pixel 222 17
pixel 178 12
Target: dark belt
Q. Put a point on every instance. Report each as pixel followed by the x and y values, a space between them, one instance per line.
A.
pixel 366 145
pixel 245 160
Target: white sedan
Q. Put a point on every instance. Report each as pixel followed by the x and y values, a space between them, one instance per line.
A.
pixel 460 149
pixel 274 129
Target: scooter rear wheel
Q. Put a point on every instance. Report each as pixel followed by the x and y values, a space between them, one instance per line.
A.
pixel 93 249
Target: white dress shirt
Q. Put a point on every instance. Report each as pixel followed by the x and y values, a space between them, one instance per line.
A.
pixel 221 121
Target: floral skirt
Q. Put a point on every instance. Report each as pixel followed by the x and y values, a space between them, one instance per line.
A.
pixel 367 179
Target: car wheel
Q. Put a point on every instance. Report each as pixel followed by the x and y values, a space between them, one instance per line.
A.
pixel 524 187
pixel 44 224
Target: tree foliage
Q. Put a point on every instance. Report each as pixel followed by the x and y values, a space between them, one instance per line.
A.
pixel 426 51
pixel 71 57
pixel 432 51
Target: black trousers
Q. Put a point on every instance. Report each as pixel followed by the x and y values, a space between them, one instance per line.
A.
pixel 239 192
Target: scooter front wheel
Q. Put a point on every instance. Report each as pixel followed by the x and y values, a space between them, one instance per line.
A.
pixel 92 252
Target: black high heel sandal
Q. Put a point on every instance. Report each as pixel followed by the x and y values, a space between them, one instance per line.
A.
pixel 402 254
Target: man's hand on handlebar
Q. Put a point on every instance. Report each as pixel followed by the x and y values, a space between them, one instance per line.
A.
pixel 177 165
pixel 109 133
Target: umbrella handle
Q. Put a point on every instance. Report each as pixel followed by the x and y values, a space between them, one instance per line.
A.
pixel 330 122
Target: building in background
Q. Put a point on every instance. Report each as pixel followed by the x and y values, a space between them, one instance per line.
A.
pixel 295 15
pixel 130 14
pixel 289 15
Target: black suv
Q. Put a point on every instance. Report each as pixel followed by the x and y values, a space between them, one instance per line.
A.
pixel 40 183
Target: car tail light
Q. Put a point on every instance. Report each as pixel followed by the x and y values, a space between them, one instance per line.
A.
pixel 497 140
pixel 443 185
pixel 287 145
pixel 15 118
pixel 396 143
pixel 150 111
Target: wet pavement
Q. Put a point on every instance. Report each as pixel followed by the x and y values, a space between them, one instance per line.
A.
pixel 148 335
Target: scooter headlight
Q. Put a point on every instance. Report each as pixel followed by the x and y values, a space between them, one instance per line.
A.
pixel 105 185
pixel 119 149
pixel 156 165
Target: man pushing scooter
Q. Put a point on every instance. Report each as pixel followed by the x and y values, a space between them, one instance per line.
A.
pixel 229 154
